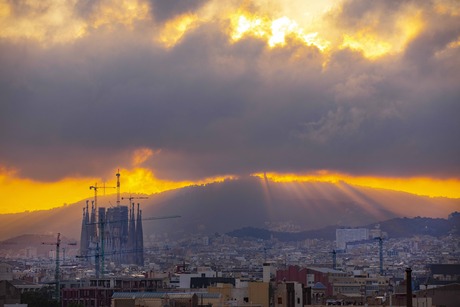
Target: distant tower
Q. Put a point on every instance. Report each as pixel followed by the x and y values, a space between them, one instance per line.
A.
pixel 139 239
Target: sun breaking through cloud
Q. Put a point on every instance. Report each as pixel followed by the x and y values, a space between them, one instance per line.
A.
pixel 449 188
pixel 176 93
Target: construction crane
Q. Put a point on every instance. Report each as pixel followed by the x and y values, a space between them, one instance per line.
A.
pixel 130 198
pixel 100 256
pixel 96 188
pixel 334 259
pixel 57 269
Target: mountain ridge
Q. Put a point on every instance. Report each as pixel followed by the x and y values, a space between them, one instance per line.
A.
pixel 395 228
pixel 233 204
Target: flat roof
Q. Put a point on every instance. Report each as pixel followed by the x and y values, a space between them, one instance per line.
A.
pixel 172 295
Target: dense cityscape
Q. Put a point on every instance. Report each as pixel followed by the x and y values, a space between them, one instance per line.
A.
pixel 361 267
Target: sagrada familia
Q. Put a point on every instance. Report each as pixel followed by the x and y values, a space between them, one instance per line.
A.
pixel 114 234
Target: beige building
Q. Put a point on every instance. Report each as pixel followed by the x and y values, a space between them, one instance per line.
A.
pixel 243 294
pixel 160 299
pixel 359 289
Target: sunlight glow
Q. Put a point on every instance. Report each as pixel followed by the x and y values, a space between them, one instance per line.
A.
pixel 274 32
pixel 447 7
pixel 369 44
pixel 58 22
pixel 141 155
pixel 39 195
pixel 48 20
pixel 175 29
pixel 125 12
pixel 374 45
pixel 422 186
pixel 47 195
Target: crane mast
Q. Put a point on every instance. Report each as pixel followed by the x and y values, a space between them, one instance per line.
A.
pixel 380 254
pixel 334 259
pixel 57 293
pixel 56 273
pixel 118 188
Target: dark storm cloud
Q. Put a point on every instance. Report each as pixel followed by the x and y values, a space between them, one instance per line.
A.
pixel 212 108
pixel 164 10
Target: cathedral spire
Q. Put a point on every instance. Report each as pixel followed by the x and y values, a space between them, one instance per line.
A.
pixel 139 238
pixel 83 235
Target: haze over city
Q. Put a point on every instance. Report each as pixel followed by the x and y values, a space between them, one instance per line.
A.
pixel 179 93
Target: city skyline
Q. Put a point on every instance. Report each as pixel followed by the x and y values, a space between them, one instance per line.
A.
pixel 175 93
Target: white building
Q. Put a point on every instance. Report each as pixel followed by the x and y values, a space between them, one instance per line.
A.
pixel 345 235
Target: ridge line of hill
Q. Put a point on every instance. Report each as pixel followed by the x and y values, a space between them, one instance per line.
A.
pixel 395 228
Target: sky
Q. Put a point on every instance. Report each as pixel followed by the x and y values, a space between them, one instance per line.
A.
pixel 176 93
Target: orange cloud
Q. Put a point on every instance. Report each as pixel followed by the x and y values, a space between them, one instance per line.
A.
pixel 275 22
pixel 175 29
pixel 58 22
pixel 125 12
pixel 45 21
pixel 141 155
pixel 375 43
pixel 273 31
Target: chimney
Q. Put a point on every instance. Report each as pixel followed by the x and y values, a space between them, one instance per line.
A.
pixel 266 272
pixel 408 287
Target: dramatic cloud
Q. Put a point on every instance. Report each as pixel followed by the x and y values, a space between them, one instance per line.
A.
pixel 200 89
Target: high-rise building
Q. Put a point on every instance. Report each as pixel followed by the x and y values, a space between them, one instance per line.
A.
pixel 345 235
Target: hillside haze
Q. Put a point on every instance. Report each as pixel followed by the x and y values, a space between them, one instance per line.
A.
pixel 233 204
